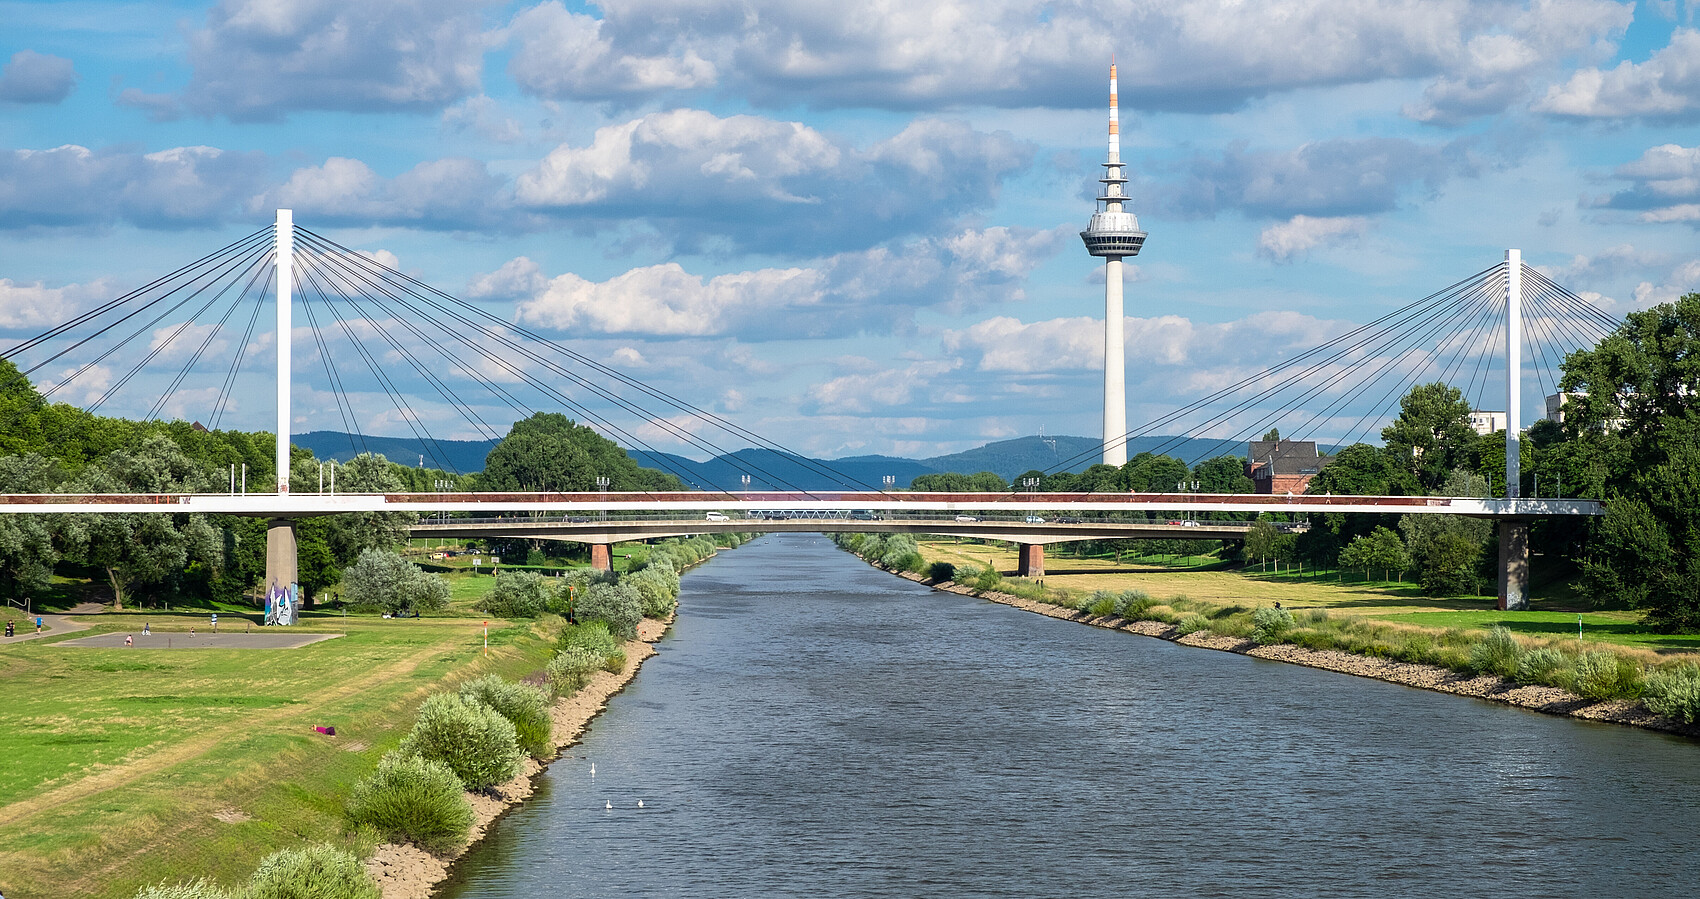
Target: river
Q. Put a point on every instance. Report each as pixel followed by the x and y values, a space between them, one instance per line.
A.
pixel 814 727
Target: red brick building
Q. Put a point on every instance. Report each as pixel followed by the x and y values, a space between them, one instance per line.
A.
pixel 1279 467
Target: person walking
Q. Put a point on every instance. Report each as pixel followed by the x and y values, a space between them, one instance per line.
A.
pixel 129 640
pixel 38 625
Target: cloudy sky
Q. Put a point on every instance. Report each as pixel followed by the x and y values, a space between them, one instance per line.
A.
pixel 854 227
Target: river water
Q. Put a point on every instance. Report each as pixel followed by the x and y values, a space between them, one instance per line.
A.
pixel 813 727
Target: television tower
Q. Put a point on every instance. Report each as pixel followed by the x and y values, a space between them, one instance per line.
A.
pixel 1112 234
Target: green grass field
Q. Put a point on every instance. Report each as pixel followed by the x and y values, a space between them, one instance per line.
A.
pixel 127 766
pixel 1555 604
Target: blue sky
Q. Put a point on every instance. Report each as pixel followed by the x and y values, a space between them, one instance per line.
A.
pixel 853 228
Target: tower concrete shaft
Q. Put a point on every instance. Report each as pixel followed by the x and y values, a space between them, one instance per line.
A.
pixel 1113 233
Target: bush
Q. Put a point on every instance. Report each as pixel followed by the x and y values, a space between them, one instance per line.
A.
pixel 1270 625
pixel 525 707
pixel 317 872
pixel 1102 603
pixel 987 578
pixel 940 572
pixel 517 594
pixel 199 889
pixel 657 587
pixel 476 742
pixel 1607 675
pixel 1134 603
pixel 1497 653
pixel 617 605
pixel 1543 665
pixel 1675 693
pixel 570 670
pixel 384 580
pixel 411 799
pixel 1192 622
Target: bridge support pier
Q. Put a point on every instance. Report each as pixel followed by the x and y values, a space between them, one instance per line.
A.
pixel 283 586
pixel 600 558
pixel 1031 562
pixel 1513 565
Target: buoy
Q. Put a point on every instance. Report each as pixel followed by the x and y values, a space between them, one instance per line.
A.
pixel 609 805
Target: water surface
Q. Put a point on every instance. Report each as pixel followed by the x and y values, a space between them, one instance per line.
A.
pixel 813 727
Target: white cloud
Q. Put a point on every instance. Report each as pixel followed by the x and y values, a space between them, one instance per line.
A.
pixel 31 77
pixel 1302 233
pixel 484 117
pixel 1666 86
pixel 863 391
pixel 260 59
pixel 765 184
pixel 1665 185
pixel 1332 177
pixel 75 186
pixel 870 290
pixel 565 55
pixel 450 194
pixel 1004 344
pixel 36 305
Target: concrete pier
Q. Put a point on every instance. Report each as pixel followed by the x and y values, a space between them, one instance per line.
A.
pixel 1513 565
pixel 1031 562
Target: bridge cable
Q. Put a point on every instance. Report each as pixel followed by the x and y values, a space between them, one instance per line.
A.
pixel 259 269
pixel 219 404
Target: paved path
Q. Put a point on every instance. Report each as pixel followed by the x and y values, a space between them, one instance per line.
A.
pixel 274 638
pixel 53 624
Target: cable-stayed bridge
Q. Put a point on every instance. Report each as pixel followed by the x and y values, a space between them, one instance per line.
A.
pixel 381 338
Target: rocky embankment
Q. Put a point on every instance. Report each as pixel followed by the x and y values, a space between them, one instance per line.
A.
pixel 1549 700
pixel 405 871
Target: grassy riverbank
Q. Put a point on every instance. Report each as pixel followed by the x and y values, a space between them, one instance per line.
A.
pixel 128 766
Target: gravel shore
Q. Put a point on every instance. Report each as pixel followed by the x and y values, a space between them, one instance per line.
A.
pixel 1548 700
pixel 405 871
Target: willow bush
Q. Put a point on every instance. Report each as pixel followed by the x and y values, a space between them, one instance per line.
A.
pixel 525 707
pixel 472 739
pixel 316 872
pixel 413 799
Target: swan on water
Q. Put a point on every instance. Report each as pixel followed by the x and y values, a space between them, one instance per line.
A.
pixel 608 804
pixel 640 803
pixel 592 769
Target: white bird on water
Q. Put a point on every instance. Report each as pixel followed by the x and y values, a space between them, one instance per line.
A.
pixel 608 804
pixel 592 769
pixel 640 803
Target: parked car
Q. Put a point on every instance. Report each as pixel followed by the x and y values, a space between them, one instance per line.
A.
pixel 1035 519
pixel 966 518
pixel 717 516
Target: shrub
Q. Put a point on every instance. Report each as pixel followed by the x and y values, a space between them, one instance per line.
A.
pixel 1543 665
pixel 411 799
pixel 1497 653
pixel 525 707
pixel 618 605
pixel 570 670
pixel 1675 693
pixel 1270 625
pixel 1316 616
pixel 317 872
pixel 1101 603
pixel 199 889
pixel 900 553
pixel 1607 675
pixel 1191 623
pixel 1134 603
pixel 940 572
pixel 476 742
pixel 657 587
pixel 517 594
pixel 382 579
pixel 987 578
pixel 591 636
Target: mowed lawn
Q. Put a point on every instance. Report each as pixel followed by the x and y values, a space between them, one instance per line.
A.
pixel 1554 614
pixel 125 766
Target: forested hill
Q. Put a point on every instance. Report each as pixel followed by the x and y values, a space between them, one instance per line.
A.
pixel 457 455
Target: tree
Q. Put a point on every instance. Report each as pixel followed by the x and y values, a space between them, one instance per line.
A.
pixel 1260 540
pixel 29 544
pixel 1635 409
pixel 954 482
pixel 1446 549
pixel 140 550
pixel 1380 548
pixel 1151 473
pixel 386 580
pixel 1432 435
pixel 1223 474
pixel 549 452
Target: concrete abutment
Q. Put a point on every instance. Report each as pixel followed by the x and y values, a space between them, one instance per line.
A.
pixel 1513 565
